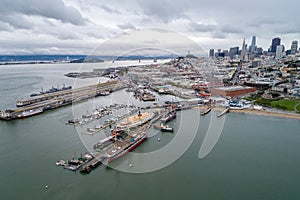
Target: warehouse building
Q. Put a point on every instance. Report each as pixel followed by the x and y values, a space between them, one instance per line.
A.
pixel 232 91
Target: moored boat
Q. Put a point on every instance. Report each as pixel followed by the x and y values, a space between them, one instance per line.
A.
pixel 169 116
pixel 166 128
pixel 29 113
pixel 118 152
pixel 136 120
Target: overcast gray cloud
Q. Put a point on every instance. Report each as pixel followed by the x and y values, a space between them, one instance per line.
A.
pixel 76 25
pixel 55 9
pixel 126 26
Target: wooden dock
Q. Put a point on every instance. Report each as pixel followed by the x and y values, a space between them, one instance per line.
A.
pixel 205 112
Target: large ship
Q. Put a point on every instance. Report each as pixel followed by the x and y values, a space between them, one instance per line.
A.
pixel 124 145
pixel 52 90
pixel 29 113
pixel 136 120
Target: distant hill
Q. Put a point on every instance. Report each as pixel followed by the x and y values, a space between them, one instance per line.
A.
pixel 87 60
pixel 35 59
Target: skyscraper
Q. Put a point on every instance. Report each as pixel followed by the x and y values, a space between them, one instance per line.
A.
pixel 233 52
pixel 275 43
pixel 243 53
pixel 253 45
pixel 294 47
pixel 279 51
pixel 211 53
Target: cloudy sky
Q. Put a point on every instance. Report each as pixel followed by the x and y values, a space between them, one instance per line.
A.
pixel 78 26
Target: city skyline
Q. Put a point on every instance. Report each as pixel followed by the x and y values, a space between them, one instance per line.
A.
pixel 76 26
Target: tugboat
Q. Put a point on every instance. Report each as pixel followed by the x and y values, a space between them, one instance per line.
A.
pixel 164 128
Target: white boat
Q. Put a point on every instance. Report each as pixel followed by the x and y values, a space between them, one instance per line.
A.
pixel 166 128
pixel 60 163
pixel 29 113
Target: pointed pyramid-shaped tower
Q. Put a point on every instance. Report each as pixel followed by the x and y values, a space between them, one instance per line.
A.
pixel 243 53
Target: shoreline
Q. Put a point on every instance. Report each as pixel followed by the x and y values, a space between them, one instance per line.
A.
pixel 279 113
pixel 268 113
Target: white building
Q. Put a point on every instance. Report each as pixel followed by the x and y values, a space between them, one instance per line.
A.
pixel 279 51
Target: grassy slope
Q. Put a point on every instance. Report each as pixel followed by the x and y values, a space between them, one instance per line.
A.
pixel 284 104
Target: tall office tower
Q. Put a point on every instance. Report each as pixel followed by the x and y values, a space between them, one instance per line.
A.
pixel 294 47
pixel 233 51
pixel 275 43
pixel 253 45
pixel 243 53
pixel 211 53
pixel 279 51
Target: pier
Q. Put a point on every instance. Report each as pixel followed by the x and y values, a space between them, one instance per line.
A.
pixel 205 112
pixel 223 112
pixel 93 163
pixel 27 107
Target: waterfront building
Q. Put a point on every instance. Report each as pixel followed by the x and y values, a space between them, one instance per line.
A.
pixel 232 91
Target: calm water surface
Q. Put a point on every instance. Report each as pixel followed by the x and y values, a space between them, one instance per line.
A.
pixel 256 157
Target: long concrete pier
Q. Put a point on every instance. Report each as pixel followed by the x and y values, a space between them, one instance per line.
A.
pixel 27 107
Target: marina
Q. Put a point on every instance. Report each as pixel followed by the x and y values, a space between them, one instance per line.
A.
pixel 129 132
pixel 47 139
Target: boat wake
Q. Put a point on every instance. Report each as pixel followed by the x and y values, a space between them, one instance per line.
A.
pixel 212 135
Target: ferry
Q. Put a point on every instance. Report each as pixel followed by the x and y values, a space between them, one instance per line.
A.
pixel 29 113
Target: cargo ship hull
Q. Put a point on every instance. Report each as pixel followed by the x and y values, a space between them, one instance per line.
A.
pixel 128 149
